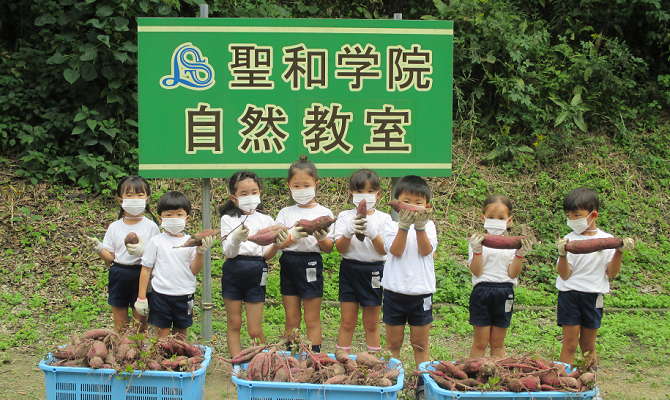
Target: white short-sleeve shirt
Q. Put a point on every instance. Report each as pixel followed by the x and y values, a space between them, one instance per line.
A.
pixel 589 271
pixel 412 273
pixel 365 250
pixel 171 265
pixel 496 265
pixel 290 215
pixel 254 222
pixel 115 237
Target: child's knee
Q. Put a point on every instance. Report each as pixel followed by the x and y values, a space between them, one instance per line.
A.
pixel 255 332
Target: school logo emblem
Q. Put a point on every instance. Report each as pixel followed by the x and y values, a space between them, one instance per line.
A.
pixel 189 69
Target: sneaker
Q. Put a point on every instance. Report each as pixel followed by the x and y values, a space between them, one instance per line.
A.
pixel 418 392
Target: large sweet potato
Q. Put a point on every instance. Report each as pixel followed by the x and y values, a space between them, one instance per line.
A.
pixel 592 245
pixel 361 210
pixel 196 239
pixel 267 236
pixel 317 224
pixel 131 238
pixel 502 242
pixel 397 206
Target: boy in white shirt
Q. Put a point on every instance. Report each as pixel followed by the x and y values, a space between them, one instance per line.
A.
pixel 173 268
pixel 409 272
pixel 582 278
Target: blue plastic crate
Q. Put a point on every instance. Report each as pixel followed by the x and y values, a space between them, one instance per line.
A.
pixel 257 390
pixel 433 392
pixel 73 383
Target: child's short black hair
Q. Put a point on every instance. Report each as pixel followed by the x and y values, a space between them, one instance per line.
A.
pixel 361 177
pixel 582 198
pixel 305 165
pixel 497 198
pixel 412 184
pixel 173 200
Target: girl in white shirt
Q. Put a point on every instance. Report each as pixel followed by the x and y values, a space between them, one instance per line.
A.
pixel 362 263
pixel 133 193
pixel 494 277
pixel 245 272
pixel 301 279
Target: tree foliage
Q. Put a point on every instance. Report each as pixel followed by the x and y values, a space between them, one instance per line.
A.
pixel 527 74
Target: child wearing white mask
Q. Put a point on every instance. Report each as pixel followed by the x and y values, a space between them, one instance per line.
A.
pixel 173 269
pixel 133 194
pixel 245 272
pixel 583 278
pixel 494 277
pixel 301 278
pixel 362 263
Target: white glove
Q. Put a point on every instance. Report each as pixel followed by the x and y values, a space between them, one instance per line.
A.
pixel 355 225
pixel 371 231
pixel 241 234
pixel 526 246
pixel 405 219
pixel 421 219
pixel 142 306
pixel 93 244
pixel 560 245
pixel 628 244
pixel 136 249
pixel 297 233
pixel 207 243
pixel 321 235
pixel 282 236
pixel 476 242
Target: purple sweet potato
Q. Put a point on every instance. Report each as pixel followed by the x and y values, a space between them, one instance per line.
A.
pixel 592 245
pixel 317 224
pixel 502 242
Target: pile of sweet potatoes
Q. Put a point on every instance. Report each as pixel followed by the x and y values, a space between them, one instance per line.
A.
pixel 521 374
pixel 105 348
pixel 268 363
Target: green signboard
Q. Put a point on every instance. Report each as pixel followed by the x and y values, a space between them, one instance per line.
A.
pixel 220 95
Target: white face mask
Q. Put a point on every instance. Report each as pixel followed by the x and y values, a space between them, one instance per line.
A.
pixel 303 196
pixel 134 206
pixel 495 226
pixel 370 199
pixel 248 203
pixel 579 225
pixel 174 225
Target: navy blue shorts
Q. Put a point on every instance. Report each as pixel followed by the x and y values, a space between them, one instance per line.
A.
pixel 301 274
pixel 492 304
pixel 167 311
pixel 415 310
pixel 360 282
pixel 579 308
pixel 124 281
pixel 244 278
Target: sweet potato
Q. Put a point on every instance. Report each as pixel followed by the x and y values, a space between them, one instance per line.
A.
pixel 397 206
pixel 98 349
pixel 592 245
pixel 281 375
pixel 317 224
pixel 350 365
pixel 246 355
pixel 132 238
pixel 338 369
pixel 368 360
pixel 196 239
pixel 588 379
pixel 341 355
pixel 570 382
pixel 337 380
pixel 363 211
pixel 97 334
pixel 95 362
pixel 391 374
pixel 267 236
pixel 384 382
pixel 525 384
pixel 488 369
pixel 502 242
pixel 450 369
pixel 472 365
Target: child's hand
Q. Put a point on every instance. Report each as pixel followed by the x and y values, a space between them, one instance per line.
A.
pixel 476 242
pixel 628 244
pixel 405 219
pixel 321 235
pixel 355 225
pixel 297 233
pixel 93 244
pixel 207 243
pixel 282 236
pixel 142 306
pixel 526 247
pixel 560 245
pixel 421 219
pixel 241 234
pixel 370 231
pixel 136 249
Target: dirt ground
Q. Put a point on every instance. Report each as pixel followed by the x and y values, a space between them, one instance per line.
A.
pixel 21 378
